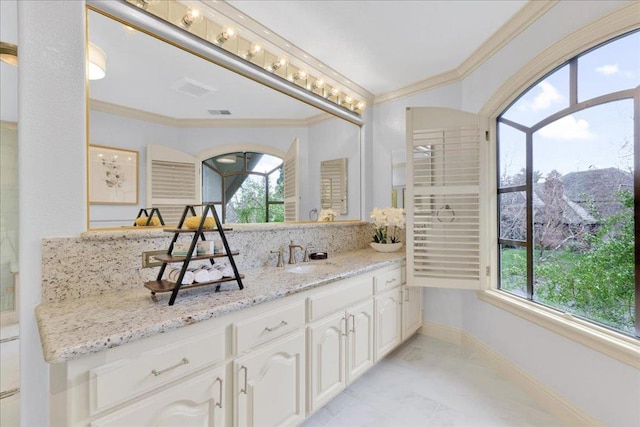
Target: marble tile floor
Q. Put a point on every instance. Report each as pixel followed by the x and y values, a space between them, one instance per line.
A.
pixel 429 382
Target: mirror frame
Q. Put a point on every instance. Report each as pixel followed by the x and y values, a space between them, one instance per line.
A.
pixel 154 26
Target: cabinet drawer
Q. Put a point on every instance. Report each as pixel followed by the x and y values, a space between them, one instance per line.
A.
pixel 354 290
pixel 198 401
pixel 123 379
pixel 265 327
pixel 387 280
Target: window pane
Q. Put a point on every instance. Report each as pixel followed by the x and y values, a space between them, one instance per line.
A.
pixel 248 203
pixel 513 270
pixel 276 212
pixel 610 68
pixel 583 217
pixel 512 156
pixel 513 215
pixel 211 185
pixel 542 100
pixel 263 163
pixel 276 186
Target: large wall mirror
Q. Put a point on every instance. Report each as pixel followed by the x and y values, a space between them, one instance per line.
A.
pixel 159 107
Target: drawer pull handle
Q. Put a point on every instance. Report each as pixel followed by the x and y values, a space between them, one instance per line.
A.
pixel 246 374
pixel 268 329
pixel 219 403
pixel 390 281
pixel 184 361
pixel 353 320
pixel 346 326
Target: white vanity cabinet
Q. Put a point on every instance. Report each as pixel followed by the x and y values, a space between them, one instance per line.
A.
pixel 411 307
pixel 272 364
pixel 195 402
pixel 411 310
pixel 340 349
pixel 171 379
pixel 388 309
pixel 269 384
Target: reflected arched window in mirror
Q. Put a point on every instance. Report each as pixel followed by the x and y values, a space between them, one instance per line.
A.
pixel 246 187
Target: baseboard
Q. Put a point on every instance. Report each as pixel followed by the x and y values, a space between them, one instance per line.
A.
pixel 547 398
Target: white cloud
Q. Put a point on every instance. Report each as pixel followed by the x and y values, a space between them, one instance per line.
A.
pixel 567 128
pixel 547 94
pixel 546 97
pixel 608 70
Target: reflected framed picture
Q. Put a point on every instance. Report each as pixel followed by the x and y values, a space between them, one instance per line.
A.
pixel 113 176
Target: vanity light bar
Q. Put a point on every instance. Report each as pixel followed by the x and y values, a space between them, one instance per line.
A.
pixel 299 76
pixel 127 12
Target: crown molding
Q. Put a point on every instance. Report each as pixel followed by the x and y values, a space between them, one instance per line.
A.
pixel 620 21
pixel 527 15
pixel 133 113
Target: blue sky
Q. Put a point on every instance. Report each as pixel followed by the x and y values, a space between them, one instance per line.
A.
pixel 598 137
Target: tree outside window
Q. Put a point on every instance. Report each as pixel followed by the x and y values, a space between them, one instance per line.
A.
pixel 567 156
pixel 246 187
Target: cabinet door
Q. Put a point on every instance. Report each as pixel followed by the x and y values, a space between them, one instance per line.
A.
pixel 269 384
pixel 411 311
pixel 388 321
pixel 360 357
pixel 327 354
pixel 196 402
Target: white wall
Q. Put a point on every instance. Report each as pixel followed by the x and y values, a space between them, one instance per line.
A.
pixel 604 387
pixel 389 133
pixel 332 139
pixel 51 150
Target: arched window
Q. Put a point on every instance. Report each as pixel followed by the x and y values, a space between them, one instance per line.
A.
pixel 568 188
pixel 245 186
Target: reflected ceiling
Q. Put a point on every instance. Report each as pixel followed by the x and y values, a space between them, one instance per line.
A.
pixel 176 83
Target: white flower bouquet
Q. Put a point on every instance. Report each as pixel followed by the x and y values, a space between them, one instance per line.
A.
pixel 387 221
pixel 327 215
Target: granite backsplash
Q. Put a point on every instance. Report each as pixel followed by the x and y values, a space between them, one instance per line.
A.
pixel 100 262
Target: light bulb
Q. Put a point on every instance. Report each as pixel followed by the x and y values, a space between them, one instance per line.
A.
pixel 253 50
pixel 193 16
pixel 281 62
pixel 226 34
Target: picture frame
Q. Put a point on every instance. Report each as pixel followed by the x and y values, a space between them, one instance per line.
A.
pixel 112 176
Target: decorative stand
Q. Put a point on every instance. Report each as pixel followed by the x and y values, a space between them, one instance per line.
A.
pixel 160 285
pixel 154 211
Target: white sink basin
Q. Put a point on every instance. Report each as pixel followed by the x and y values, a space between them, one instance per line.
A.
pixel 311 268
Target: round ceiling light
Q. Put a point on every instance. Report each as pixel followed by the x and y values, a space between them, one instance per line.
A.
pixel 226 159
pixel 97 62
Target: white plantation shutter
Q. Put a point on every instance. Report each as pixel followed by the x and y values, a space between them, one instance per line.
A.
pixel 291 182
pixel 443 190
pixel 174 181
pixel 333 185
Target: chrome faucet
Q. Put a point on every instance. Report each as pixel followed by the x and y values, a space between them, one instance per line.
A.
pixel 280 253
pixel 292 252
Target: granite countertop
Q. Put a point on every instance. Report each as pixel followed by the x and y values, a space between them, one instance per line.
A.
pixel 79 327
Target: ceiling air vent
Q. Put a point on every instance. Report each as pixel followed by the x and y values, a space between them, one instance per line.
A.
pixel 191 87
pixel 220 112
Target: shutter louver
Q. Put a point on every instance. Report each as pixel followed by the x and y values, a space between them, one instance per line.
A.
pixel 174 181
pixel 333 185
pixel 444 215
pixel 291 183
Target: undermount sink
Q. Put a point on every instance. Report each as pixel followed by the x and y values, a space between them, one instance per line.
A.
pixel 311 268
